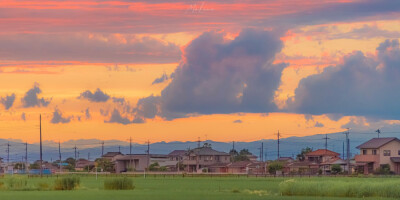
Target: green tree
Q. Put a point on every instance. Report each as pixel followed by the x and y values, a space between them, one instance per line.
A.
pixel 154 166
pixel 275 166
pixel 335 169
pixel 34 166
pixel 241 156
pixel 105 164
pixel 302 155
pixel 19 166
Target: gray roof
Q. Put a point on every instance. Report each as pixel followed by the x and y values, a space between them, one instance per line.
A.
pixel 111 154
pixel 376 143
pixel 208 151
pixel 177 153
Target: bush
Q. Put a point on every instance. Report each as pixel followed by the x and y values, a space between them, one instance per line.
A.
pixel 67 183
pixel 340 188
pixel 17 183
pixel 275 166
pixel 336 169
pixel 42 186
pixel 119 184
pixel 1 185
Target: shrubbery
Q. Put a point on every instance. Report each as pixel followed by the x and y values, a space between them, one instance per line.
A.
pixel 119 184
pixel 17 183
pixel 339 188
pixel 67 183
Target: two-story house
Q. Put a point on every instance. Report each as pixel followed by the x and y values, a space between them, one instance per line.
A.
pixel 377 152
pixel 203 157
pixel 324 159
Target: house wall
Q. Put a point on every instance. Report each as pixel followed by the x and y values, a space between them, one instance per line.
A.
pixel 394 147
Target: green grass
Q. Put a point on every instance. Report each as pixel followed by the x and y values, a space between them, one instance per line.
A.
pixel 172 188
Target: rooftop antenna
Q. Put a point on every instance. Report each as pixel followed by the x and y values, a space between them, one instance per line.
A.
pixel 379 132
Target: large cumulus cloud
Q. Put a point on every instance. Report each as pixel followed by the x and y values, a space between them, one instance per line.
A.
pixel 220 76
pixel 362 85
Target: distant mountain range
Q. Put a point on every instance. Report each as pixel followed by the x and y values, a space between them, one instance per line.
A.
pixel 289 147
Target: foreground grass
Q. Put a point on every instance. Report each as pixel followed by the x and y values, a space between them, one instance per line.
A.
pixel 180 188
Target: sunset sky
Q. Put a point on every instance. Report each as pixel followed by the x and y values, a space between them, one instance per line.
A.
pixel 177 70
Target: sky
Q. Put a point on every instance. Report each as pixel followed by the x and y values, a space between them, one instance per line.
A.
pixel 180 70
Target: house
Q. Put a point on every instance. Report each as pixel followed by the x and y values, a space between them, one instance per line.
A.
pixel 257 168
pixel 83 164
pixel 378 152
pixel 177 155
pixel 204 157
pixel 111 155
pixel 252 157
pixel 315 162
pixel 238 167
pixel 140 162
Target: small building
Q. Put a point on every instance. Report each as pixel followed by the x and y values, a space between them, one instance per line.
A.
pixel 378 152
pixel 238 167
pixel 83 165
pixel 140 162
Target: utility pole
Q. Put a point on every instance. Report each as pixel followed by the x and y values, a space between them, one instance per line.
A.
pixel 102 148
pixel 348 150
pixel 148 153
pixel 41 153
pixel 75 148
pixel 59 155
pixel 130 145
pixel 119 148
pixel 343 151
pixel 379 132
pixel 326 141
pixel 8 153
pixel 278 143
pixel 262 152
pixel 198 143
pixel 26 157
pixel 233 145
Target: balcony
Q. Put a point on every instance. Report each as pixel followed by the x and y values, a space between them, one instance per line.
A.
pixel 366 158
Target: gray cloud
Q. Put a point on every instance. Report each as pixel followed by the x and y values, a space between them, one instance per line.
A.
pixel 58 118
pixel 116 117
pixel 161 79
pixel 362 86
pixel 108 48
pixel 8 101
pixel 96 96
pixel 31 98
pixel 238 121
pixel 220 76
pixel 318 125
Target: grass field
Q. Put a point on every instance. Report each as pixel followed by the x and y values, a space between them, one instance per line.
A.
pixel 172 188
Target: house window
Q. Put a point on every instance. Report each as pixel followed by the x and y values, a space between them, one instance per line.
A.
pixel 386 152
pixel 398 152
pixel 374 152
pixel 364 152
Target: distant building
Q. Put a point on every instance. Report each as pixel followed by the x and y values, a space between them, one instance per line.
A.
pixel 203 157
pixel 315 161
pixel 83 164
pixel 378 152
pixel 140 162
pixel 285 159
pixel 111 155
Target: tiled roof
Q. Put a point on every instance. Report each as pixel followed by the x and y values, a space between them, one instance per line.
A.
pixel 322 152
pixel 177 153
pixel 111 154
pixel 331 161
pixel 208 151
pixel 375 143
pixel 302 164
